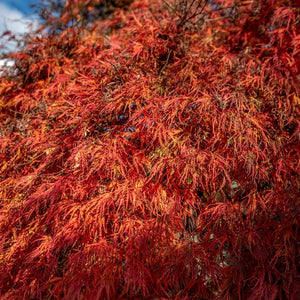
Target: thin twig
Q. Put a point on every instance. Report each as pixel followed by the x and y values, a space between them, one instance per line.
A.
pixel 167 61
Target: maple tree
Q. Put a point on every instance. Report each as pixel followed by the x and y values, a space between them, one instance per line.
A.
pixel 153 152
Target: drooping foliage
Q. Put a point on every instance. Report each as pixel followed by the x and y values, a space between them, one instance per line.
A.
pixel 153 154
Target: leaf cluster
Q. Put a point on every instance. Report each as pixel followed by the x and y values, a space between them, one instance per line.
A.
pixel 144 158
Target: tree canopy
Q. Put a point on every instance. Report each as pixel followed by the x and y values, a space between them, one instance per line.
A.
pixel 150 150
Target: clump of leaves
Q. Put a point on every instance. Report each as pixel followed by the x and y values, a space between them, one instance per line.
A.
pixel 141 158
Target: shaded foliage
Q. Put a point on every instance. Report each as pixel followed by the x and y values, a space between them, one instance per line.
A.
pixel 145 156
pixel 58 15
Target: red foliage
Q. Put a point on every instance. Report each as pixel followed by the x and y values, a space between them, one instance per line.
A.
pixel 144 156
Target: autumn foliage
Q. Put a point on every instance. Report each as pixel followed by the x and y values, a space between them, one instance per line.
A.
pixel 153 153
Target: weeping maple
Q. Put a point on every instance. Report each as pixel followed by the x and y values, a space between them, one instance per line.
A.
pixel 153 153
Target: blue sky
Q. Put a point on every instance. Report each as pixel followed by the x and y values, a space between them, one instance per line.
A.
pixel 16 17
pixel 21 5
